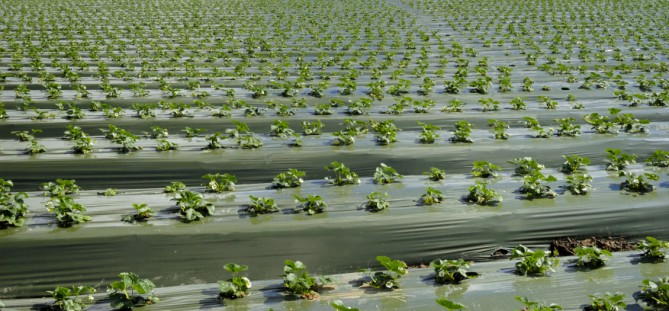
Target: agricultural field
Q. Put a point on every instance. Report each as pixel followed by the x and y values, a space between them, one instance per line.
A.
pixel 173 138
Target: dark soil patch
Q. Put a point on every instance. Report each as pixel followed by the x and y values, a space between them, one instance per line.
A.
pixel 566 246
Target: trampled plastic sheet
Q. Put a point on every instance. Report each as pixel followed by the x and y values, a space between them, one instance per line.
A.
pixel 493 290
pixel 40 255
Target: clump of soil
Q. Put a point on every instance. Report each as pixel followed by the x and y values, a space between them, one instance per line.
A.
pixel 566 246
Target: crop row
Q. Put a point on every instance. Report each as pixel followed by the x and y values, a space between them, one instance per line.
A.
pixel 192 206
pixel 131 291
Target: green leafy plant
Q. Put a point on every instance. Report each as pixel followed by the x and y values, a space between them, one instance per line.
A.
pixel 638 183
pixel 655 293
pixel 428 134
pixel 131 292
pixel 13 208
pixel 568 128
pixel 261 206
pixel 69 299
pixel 142 213
pixel 343 138
pixel 67 211
pixel 220 182
pixel 608 302
pixel 377 201
pixel 281 129
pixel 436 174
pixel 574 163
pixel 591 257
pixel 531 262
pixel 485 169
pixel 617 160
pixel 450 305
pixel 653 249
pixel 387 280
pixel 463 130
pixel 526 166
pixel 192 206
pixel 312 127
pixel 25 135
pixel 535 306
pixel 451 271
pixel 499 128
pixel 534 186
pixel 386 132
pixel 659 158
pixel 34 147
pixel 480 194
pixel 289 179
pixel 311 204
pixel 236 287
pixel 579 184
pixel 174 187
pixel 343 174
pixel 431 196
pixel 165 145
pixel 385 174
pixel 298 282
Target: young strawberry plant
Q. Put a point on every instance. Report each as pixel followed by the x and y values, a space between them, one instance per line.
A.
pixel 653 249
pixel 377 201
pixel 451 271
pixel 655 293
pixel 463 130
pixel 431 196
pixel 312 127
pixel 638 183
pixel 343 175
pixel 236 287
pixel 627 122
pixel 534 188
pixel 436 174
pixel 165 145
pixel 385 174
pixel 60 187
pixel 480 194
pixel 339 305
pixel 578 184
pixel 142 213
pixel 601 124
pixel 13 208
pixel 343 138
pixel 455 105
pixel 659 158
pixel 131 292
pixel 608 302
pixel 25 135
pixel 67 211
pixel 574 163
pixel 175 186
pixel 192 206
pixel 220 182
pixel 387 280
pixel 591 257
pixel 34 147
pixel 69 299
pixel 281 129
pixel 518 103
pixel 485 169
pixel 289 179
pixel 617 160
pixel 531 262
pixel 488 104
pixel 526 166
pixel 568 128
pixel 298 282
pixel 261 205
pixel 428 134
pixel 535 306
pixel 499 127
pixel 386 132
pixel 311 204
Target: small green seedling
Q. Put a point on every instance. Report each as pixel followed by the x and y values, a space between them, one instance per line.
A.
pixel 261 206
pixel 485 169
pixel 236 287
pixel 535 306
pixel 451 271
pixel 654 249
pixel 377 201
pixel 298 282
pixel 69 299
pixel 387 280
pixel 311 204
pixel 220 182
pixel 343 174
pixel 591 257
pixel 289 179
pixel 192 206
pixel 142 213
pixel 480 194
pixel 450 305
pixel 531 262
pixel 385 174
pixel 431 196
pixel 131 292
pixel 608 302
pixel 656 293
pixel 638 183
pixel 436 174
pixel 67 211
